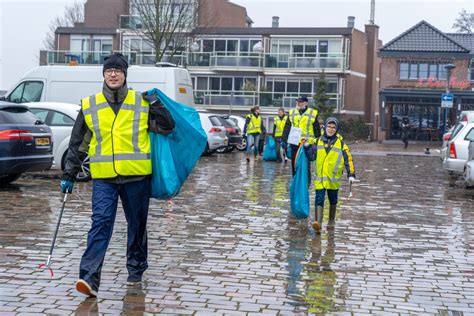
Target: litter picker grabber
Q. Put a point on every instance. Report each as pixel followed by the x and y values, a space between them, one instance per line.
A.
pixel 350 189
pixel 48 261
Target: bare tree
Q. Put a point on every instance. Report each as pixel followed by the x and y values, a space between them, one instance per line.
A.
pixel 465 22
pixel 72 14
pixel 166 24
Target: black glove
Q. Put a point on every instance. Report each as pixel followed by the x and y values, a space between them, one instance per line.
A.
pixel 151 98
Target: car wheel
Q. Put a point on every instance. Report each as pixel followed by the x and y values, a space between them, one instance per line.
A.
pixel 6 179
pixel 243 145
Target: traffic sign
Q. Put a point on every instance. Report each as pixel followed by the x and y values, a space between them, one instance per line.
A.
pixel 447 100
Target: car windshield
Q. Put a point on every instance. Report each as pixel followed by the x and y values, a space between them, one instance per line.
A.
pixel 17 115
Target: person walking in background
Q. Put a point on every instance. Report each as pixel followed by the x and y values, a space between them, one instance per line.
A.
pixel 405 126
pixel 331 155
pixel 116 122
pixel 253 128
pixel 306 119
pixel 279 123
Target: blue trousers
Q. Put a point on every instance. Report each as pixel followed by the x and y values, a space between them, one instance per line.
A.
pixel 253 139
pixel 321 194
pixel 135 197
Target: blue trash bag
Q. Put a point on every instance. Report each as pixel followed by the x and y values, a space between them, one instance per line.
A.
pixel 270 153
pixel 299 194
pixel 174 155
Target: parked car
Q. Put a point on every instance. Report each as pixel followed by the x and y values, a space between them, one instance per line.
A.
pixel 25 142
pixel 458 145
pixel 60 117
pixel 234 134
pixel 240 122
pixel 216 134
pixel 444 146
pixel 468 174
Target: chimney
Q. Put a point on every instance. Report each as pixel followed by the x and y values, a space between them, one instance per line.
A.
pixel 350 21
pixel 275 21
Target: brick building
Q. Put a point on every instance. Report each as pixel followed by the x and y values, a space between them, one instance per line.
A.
pixel 413 76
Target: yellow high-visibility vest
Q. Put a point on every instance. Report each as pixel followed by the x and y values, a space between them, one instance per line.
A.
pixel 120 144
pixel 329 165
pixel 280 125
pixel 305 121
pixel 254 125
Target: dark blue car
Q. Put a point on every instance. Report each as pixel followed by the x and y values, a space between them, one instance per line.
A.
pixel 25 142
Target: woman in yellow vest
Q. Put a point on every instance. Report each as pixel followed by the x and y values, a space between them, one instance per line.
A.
pixel 117 122
pixel 331 155
pixel 253 129
pixel 279 123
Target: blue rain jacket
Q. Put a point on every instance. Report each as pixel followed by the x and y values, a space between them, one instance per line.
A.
pixel 174 155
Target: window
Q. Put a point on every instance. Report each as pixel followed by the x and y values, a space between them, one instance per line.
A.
pixel 279 86
pixel 423 71
pixel 413 71
pixel 227 84
pixel 215 84
pixel 207 46
pixel 220 46
pixel 60 119
pixel 40 113
pixel 470 135
pixel 244 45
pixel 471 70
pixel 404 70
pixel 201 83
pixel 433 71
pixel 17 115
pixel 305 87
pixel 292 87
pixel 238 83
pixel 29 91
pixel 331 87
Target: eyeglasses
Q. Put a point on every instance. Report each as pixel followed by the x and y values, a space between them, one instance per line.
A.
pixel 330 127
pixel 110 71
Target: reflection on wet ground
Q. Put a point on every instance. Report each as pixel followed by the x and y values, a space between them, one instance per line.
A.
pixel 403 244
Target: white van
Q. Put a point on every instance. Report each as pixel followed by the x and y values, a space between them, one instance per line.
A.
pixel 69 84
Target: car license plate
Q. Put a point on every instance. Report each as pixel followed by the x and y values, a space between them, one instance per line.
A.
pixel 42 141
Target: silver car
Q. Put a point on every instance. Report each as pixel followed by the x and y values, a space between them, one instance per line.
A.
pixel 216 135
pixel 458 144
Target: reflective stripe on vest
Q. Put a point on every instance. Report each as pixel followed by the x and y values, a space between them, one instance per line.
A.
pixel 329 166
pixel 120 144
pixel 280 125
pixel 305 121
pixel 254 125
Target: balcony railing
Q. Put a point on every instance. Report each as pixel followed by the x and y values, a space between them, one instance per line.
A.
pixel 97 58
pixel 215 60
pixel 249 98
pixel 223 59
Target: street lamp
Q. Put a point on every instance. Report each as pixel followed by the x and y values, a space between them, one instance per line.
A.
pixel 448 68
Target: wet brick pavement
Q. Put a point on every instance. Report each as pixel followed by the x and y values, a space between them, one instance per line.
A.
pixel 403 244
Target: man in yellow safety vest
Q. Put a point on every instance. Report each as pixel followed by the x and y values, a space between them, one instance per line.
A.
pixel 306 119
pixel 253 128
pixel 116 122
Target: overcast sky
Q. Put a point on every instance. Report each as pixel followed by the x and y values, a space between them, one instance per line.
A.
pixel 23 23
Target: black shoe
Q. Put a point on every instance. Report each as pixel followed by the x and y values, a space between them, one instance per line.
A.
pixel 134 279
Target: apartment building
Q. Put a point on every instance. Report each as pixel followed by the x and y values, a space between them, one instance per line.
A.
pixel 235 66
